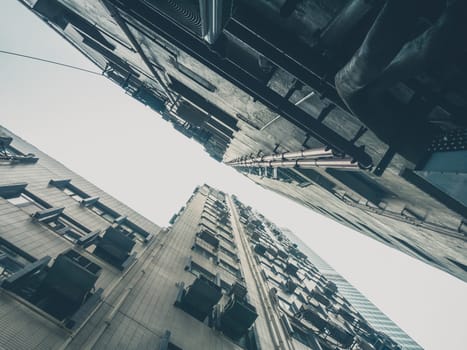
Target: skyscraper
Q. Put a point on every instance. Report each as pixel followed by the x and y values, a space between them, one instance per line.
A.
pixel 81 270
pixel 364 306
pixel 304 99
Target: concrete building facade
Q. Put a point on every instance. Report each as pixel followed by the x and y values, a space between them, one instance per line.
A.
pixel 80 270
pixel 281 91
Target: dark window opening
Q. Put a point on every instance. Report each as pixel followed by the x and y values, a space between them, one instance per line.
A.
pixel 105 212
pixel 229 268
pixel 198 271
pixel 26 202
pixel 203 252
pixel 12 259
pixel 53 218
pixel 131 228
pixel 62 224
pixel 226 240
pixel 228 253
pixel 211 220
pixel 73 195
pixel 209 238
pixel 92 203
pixel 69 189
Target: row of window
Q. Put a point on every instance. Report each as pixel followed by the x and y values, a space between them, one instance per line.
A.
pixel 95 205
pixel 114 245
pixel 47 287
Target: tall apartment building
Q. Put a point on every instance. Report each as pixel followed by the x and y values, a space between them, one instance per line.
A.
pixel 365 307
pixel 281 91
pixel 80 270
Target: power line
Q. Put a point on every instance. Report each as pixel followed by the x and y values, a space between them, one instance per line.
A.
pixel 49 61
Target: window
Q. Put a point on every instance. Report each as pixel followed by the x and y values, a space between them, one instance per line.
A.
pixel 67 227
pixel 229 268
pixel 105 212
pixel 27 202
pixel 73 195
pixel 209 220
pixel 226 240
pixel 43 212
pixel 69 189
pixel 211 217
pixel 228 253
pixel 203 252
pixel 132 229
pixel 12 259
pixel 198 270
pixel 85 199
pixel 209 238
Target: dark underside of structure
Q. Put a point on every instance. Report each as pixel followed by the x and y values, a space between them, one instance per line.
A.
pixel 356 109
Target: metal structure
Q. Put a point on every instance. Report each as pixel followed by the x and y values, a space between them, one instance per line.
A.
pixel 310 158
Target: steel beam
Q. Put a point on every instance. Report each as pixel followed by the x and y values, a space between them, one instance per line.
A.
pixel 236 75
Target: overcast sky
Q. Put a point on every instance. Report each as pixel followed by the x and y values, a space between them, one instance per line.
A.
pixel 91 126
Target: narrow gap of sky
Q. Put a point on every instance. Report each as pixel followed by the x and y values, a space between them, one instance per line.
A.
pixel 91 126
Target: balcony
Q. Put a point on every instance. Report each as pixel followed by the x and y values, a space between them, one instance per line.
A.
pixel 65 290
pixel 260 249
pixel 237 317
pixel 209 238
pixel 314 315
pixel 199 298
pixel 291 268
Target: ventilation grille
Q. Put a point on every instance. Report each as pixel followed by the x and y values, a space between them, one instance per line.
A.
pixel 185 12
pixel 204 18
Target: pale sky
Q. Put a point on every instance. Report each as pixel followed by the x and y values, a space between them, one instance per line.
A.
pixel 91 126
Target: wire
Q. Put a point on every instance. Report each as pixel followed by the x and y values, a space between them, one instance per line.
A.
pixel 49 61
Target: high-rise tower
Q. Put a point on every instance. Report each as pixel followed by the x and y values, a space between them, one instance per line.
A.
pixel 365 307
